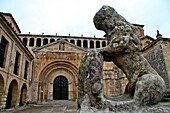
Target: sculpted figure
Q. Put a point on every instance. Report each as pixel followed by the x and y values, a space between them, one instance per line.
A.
pixel 124 49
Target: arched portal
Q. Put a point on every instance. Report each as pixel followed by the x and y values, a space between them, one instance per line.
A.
pixel 51 74
pixel 23 95
pixel 60 88
pixel 12 94
pixel 1 88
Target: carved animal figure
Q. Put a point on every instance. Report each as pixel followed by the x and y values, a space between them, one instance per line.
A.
pixel 124 49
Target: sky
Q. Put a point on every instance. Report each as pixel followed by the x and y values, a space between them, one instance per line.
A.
pixel 75 17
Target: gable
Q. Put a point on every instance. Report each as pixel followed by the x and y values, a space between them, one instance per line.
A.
pixel 9 18
pixel 60 46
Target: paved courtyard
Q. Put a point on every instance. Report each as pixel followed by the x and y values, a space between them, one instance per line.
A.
pixel 59 106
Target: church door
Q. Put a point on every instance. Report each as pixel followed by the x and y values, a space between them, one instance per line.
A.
pixel 60 88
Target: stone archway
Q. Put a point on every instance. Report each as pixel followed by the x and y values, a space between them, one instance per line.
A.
pixel 12 94
pixel 23 95
pixel 47 78
pixel 60 88
pixel 1 88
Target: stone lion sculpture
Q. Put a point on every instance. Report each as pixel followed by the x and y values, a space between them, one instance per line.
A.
pixel 145 85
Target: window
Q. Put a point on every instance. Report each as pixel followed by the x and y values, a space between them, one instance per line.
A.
pixel 72 41
pixel 52 40
pixel 31 42
pixel 66 40
pixel 3 51
pixel 45 41
pixel 91 44
pixel 26 70
pixel 38 44
pixel 85 44
pixel 79 43
pixel 103 44
pixel 25 41
pixel 17 63
pixel 97 44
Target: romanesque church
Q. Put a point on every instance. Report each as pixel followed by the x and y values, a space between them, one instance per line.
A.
pixel 36 68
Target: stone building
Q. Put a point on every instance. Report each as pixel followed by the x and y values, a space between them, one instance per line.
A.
pixel 157 53
pixel 57 59
pixel 15 64
pixel 39 68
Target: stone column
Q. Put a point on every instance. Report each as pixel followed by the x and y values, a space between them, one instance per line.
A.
pixel 3 101
pixel 18 99
pixel 35 92
pixel 35 42
pixel 42 41
pixel 28 41
pixel 82 43
pixel 88 43
pixel 75 42
pixel 94 44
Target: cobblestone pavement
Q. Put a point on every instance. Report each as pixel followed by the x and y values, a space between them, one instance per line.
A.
pixel 59 106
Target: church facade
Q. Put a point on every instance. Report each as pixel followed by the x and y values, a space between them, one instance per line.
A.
pixel 41 68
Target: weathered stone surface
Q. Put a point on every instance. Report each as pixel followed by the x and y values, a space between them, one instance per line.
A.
pixel 145 85
pixel 149 89
pixel 156 58
pixel 90 86
pixel 124 47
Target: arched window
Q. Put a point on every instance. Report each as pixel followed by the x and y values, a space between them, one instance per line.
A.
pixel 103 43
pixel 38 44
pixel 97 44
pixel 84 43
pixel 45 41
pixel 79 43
pixel 66 40
pixel 25 41
pixel 91 44
pixel 72 41
pixel 52 40
pixel 31 42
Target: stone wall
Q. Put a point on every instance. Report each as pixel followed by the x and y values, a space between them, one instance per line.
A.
pixel 12 84
pixel 166 51
pixel 155 57
pixel 114 80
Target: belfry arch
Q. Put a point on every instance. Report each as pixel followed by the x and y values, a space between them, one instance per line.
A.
pixel 63 70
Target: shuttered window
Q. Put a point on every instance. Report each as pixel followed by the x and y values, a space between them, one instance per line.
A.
pixel 3 50
pixel 26 70
pixel 17 63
